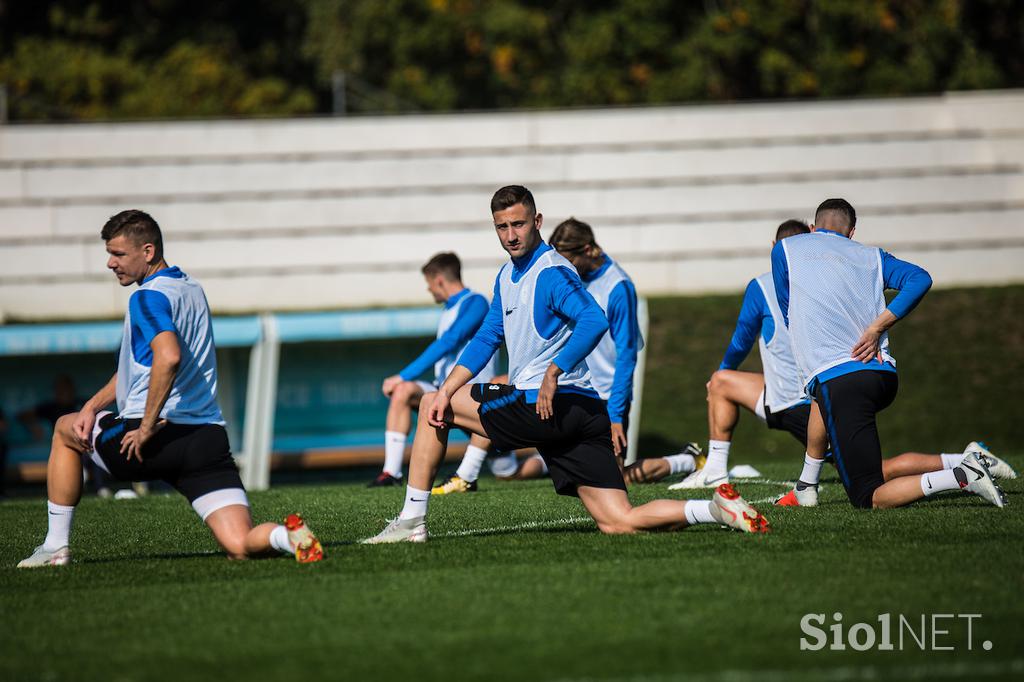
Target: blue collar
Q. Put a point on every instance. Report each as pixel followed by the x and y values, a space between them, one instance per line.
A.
pixel 521 265
pixel 591 276
pixel 821 229
pixel 455 298
pixel 172 272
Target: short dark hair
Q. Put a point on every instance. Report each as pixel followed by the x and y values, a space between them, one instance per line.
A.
pixel 510 195
pixel 832 209
pixel 446 264
pixel 790 228
pixel 573 236
pixel 138 226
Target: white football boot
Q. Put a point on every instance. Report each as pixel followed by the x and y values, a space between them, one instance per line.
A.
pixel 999 468
pixel 42 557
pixel 699 479
pixel 401 530
pixel 980 482
pixel 731 510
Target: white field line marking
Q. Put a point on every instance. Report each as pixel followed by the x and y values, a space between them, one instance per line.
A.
pixel 864 673
pixel 511 528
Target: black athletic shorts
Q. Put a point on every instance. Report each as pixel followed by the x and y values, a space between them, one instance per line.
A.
pixel 849 405
pixel 193 458
pixel 793 420
pixel 575 442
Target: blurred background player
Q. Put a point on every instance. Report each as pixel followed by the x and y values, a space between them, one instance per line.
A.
pixel 777 396
pixel 830 292
pixel 464 311
pixel 169 425
pixel 550 324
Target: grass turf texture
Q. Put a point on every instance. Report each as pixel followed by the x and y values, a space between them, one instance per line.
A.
pixel 149 598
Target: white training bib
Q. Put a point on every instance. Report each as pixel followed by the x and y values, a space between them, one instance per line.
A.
pixel 529 353
pixel 836 290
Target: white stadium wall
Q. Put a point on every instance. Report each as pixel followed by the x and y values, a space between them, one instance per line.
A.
pixel 340 212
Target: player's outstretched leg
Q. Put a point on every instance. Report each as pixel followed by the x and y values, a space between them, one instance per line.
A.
pixel 63 492
pixel 654 469
pixel 970 476
pixel 916 463
pixel 611 509
pixel 232 527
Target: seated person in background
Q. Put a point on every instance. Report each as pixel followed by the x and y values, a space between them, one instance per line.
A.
pixel 464 312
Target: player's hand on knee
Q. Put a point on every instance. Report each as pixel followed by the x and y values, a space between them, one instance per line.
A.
pixel 438 410
pixel 390 384
pixel 81 427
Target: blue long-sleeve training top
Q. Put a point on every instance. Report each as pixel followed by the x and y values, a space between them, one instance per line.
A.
pixel 755 318
pixel 470 316
pixel 560 299
pixel 624 330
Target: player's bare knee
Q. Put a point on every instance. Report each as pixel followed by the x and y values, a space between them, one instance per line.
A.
pixel 235 548
pixel 617 527
pixel 425 404
pixel 63 431
pixel 718 385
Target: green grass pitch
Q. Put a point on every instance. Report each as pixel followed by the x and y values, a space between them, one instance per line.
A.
pixel 516 584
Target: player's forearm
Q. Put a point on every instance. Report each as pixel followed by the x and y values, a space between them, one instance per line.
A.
pixel 103 397
pixel 161 380
pixel 883 322
pixel 457 378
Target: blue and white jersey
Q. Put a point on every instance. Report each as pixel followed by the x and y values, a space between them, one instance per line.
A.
pixel 169 301
pixel 830 289
pixel 544 315
pixel 613 361
pixel 760 318
pixel 461 318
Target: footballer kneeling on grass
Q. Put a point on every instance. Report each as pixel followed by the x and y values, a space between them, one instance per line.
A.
pixel 168 424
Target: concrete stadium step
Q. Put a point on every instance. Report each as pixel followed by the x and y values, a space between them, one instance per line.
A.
pixel 658 203
pixel 282 179
pixel 984 111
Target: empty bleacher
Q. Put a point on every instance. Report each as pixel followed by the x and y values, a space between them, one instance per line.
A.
pixel 329 213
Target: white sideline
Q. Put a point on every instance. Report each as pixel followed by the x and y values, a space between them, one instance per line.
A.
pixel 526 525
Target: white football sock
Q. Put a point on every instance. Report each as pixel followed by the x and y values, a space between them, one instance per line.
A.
pixel 415 503
pixel 938 481
pixel 812 470
pixel 699 511
pixel 394 452
pixel 680 464
pixel 472 461
pixel 949 461
pixel 59 520
pixel 279 540
pixel 717 465
pixel 504 465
